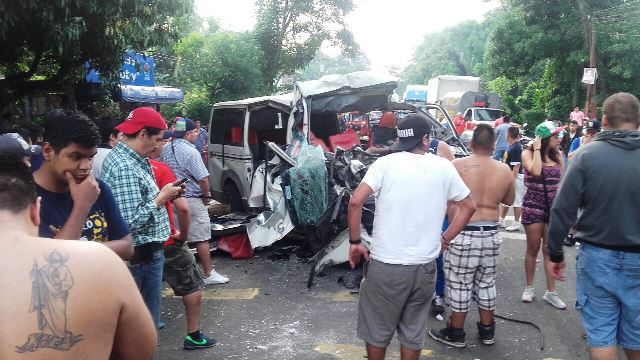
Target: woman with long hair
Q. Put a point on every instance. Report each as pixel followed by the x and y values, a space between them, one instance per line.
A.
pixel 543 165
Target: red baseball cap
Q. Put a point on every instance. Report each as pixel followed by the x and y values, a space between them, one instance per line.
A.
pixel 140 118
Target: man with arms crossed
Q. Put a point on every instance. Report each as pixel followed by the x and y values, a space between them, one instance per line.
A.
pixel 602 180
pixel 56 309
pixel 412 189
pixel 471 260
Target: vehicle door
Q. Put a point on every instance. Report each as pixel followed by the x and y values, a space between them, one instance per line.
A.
pixel 228 156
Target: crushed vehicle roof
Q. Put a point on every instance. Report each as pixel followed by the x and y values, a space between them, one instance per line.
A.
pixel 283 99
pixel 330 84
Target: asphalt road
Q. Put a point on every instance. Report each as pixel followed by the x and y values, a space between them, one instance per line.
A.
pixel 266 312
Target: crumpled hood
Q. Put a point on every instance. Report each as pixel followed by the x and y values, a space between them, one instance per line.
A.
pixel 625 139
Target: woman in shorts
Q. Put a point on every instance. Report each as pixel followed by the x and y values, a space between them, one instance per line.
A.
pixel 543 165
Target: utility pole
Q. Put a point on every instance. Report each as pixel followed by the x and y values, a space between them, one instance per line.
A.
pixel 590 106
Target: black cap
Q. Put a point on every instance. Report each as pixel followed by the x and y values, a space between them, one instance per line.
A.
pixel 411 130
pixel 13 143
pixel 593 125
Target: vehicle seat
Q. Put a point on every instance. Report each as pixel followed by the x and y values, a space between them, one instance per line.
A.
pixel 313 140
pixel 346 140
pixel 254 147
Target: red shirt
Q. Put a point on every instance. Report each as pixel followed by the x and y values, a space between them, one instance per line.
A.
pixel 459 124
pixel 163 175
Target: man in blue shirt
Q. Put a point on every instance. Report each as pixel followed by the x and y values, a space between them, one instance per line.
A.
pixel 74 204
pixel 184 160
pixel 501 140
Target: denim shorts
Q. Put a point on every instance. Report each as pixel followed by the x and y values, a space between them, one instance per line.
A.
pixel 608 296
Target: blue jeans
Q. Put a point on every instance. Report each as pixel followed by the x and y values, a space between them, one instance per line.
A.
pixel 499 155
pixel 608 296
pixel 148 277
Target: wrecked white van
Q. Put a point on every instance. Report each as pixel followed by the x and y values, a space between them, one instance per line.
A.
pixel 268 186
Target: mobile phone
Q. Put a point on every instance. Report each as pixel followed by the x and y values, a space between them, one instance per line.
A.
pixel 182 182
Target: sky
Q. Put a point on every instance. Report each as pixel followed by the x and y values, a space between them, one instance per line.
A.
pixel 387 31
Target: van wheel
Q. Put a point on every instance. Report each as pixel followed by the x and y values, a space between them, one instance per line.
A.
pixel 232 197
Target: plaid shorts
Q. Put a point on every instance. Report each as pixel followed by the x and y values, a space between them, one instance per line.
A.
pixel 470 269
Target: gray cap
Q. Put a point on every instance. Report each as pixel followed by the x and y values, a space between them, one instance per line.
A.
pixel 13 143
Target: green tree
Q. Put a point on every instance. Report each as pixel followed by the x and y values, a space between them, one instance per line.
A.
pixel 323 64
pixel 456 50
pixel 290 32
pixel 45 43
pixel 219 66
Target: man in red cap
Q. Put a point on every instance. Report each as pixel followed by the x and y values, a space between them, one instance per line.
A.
pixel 127 170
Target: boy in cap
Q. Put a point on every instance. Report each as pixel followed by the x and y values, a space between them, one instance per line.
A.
pixel 127 170
pixel 413 188
pixel 185 161
pixel 14 144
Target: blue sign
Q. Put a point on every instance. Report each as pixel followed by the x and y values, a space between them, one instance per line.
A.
pixel 136 70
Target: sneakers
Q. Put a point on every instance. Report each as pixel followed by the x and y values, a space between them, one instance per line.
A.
pixel 437 306
pixel 515 226
pixel 449 336
pixel 487 333
pixel 352 279
pixel 502 222
pixel 569 241
pixel 529 294
pixel 216 278
pixel 203 343
pixel 553 299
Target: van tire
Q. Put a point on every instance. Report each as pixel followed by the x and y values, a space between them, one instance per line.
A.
pixel 232 197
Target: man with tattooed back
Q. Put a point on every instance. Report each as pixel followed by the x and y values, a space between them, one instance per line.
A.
pixel 50 299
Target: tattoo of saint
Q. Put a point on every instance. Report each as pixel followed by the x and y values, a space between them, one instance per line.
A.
pixel 49 291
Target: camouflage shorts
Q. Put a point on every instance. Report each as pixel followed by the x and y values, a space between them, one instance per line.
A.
pixel 181 271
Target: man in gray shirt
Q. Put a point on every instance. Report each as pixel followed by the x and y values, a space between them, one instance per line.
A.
pixel 602 181
pixel 501 139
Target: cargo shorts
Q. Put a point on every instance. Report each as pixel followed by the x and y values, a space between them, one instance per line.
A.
pixel 181 271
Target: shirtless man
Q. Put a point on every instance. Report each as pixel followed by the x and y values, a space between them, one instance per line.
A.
pixel 470 262
pixel 50 310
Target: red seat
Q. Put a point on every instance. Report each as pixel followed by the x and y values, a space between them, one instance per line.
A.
pixel 346 140
pixel 313 140
pixel 253 137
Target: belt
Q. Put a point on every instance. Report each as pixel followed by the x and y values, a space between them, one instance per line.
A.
pixel 144 252
pixel 481 228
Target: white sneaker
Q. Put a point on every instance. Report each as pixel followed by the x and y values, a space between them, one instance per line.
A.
pixel 216 278
pixel 501 222
pixel 529 294
pixel 515 226
pixel 553 299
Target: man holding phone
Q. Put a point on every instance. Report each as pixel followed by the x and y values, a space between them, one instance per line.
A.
pixel 127 170
pixel 185 161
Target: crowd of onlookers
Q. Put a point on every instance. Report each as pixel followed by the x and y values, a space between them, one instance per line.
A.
pixel 139 186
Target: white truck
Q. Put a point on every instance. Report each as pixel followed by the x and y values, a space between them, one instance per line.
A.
pixel 439 86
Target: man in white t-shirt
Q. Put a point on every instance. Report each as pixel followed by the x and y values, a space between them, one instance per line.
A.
pixel 412 189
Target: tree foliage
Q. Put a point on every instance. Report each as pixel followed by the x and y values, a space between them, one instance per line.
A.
pixel 49 41
pixel 457 50
pixel 534 52
pixel 323 64
pixel 215 67
pixel 290 32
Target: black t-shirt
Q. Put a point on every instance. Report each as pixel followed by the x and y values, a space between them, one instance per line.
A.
pixel 104 221
pixel 513 156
